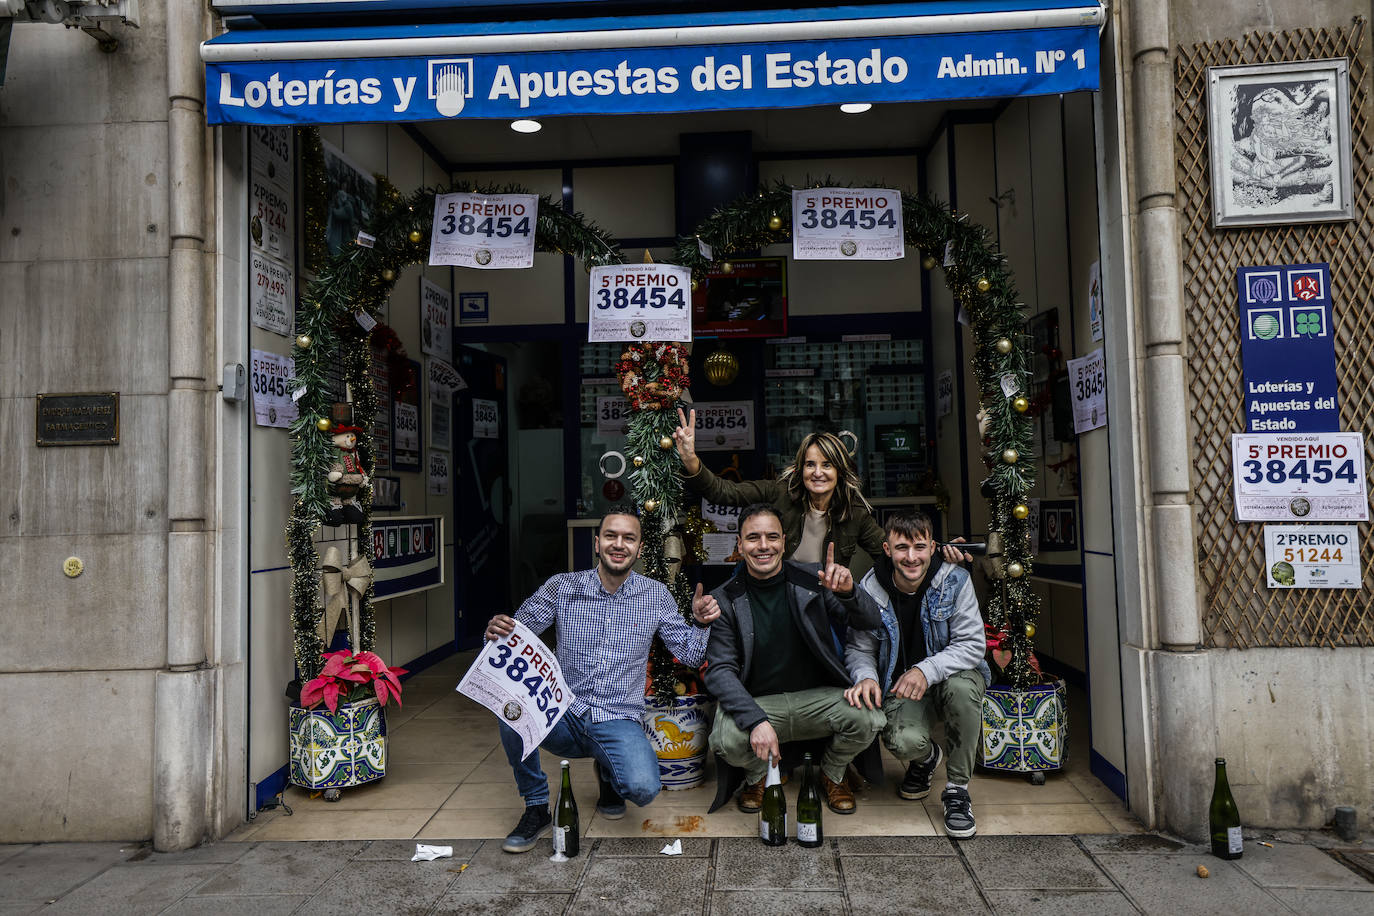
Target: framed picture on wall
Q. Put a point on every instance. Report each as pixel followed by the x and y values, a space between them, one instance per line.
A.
pixel 1280 143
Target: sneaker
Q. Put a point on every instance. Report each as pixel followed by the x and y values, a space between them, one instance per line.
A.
pixel 608 803
pixel 534 823
pixel 958 812
pixel 916 783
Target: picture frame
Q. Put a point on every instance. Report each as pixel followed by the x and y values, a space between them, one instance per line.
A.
pixel 1279 137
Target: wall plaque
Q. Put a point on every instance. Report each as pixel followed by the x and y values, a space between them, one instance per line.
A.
pixel 90 418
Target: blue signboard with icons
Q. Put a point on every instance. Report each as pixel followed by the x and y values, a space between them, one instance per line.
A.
pixel 1287 348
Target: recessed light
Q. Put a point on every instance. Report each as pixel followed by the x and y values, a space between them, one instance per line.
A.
pixel 525 126
pixel 855 107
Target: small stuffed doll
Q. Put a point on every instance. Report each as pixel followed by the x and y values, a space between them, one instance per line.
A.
pixel 346 479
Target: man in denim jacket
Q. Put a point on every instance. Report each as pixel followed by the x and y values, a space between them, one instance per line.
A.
pixel 925 660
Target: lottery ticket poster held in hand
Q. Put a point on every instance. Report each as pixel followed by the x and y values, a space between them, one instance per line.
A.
pixel 1299 477
pixel 1088 386
pixel 436 321
pixel 847 224
pixel 640 302
pixel 518 679
pixel 269 375
pixel 485 231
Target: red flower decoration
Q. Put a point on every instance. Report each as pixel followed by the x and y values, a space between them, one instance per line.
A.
pixel 646 389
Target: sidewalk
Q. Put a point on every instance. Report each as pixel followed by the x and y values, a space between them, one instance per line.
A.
pixel 1052 875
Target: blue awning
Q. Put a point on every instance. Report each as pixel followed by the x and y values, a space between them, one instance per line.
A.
pixel 747 59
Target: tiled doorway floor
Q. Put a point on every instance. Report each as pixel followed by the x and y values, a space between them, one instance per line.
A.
pixel 447 778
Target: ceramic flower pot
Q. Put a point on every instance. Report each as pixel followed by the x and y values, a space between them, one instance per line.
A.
pixel 335 750
pixel 678 732
pixel 1025 730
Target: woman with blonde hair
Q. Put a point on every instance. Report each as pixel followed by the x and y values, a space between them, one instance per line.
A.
pixel 818 498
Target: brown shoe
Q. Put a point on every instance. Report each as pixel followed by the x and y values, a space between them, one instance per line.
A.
pixel 751 799
pixel 837 796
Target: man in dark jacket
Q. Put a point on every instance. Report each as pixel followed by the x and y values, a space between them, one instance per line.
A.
pixel 773 664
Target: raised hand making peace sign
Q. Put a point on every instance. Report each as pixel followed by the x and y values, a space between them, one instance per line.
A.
pixel 686 438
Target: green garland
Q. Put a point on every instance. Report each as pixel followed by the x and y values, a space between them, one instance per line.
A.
pixel 981 283
pixel 357 281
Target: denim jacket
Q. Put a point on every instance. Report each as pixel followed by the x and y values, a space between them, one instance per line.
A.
pixel 950 621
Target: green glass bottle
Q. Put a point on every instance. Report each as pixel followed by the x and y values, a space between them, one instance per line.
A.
pixel 773 814
pixel 809 832
pixel 565 830
pixel 1224 818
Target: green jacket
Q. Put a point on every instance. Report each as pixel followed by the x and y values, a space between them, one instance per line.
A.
pixel 859 530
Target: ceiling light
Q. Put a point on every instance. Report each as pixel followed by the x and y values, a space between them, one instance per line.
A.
pixel 525 126
pixel 855 107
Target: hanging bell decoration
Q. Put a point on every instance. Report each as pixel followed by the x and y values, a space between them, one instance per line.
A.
pixel 1004 345
pixel 722 367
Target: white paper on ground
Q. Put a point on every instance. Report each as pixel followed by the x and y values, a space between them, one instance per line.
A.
pixel 672 849
pixel 425 853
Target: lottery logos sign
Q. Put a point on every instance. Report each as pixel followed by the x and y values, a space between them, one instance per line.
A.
pixel 640 302
pixel 485 231
pixel 1299 477
pixel 1312 556
pixel 518 678
pixel 1288 349
pixel 847 224
pixel 407 554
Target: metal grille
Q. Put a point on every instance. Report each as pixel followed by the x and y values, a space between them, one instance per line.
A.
pixel 1241 612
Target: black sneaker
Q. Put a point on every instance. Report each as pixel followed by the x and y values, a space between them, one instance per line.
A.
pixel 534 823
pixel 916 783
pixel 608 804
pixel 958 812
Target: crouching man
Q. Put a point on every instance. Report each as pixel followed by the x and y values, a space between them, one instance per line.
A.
pixel 774 664
pixel 606 619
pixel 926 660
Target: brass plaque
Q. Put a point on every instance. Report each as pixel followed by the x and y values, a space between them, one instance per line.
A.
pixel 78 419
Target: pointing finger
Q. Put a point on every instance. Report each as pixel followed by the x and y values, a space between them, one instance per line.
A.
pixel 830 555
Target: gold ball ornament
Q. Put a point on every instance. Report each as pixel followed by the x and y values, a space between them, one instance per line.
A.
pixel 694 284
pixel 323 424
pixel 1004 345
pixel 1020 405
pixel 304 341
pixel 722 367
pixel 388 275
pixel 928 262
pixel 638 461
pixel 665 443
pixel 650 505
pixel 1015 570
pixel 1011 456
pixel 1020 510
pixel 727 268
pixel 983 284
pixel 775 222
pixel 415 235
pixel 1030 631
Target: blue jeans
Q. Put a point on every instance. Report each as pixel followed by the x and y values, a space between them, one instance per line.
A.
pixel 619 745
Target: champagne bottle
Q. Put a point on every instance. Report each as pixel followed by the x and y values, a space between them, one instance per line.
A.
pixel 809 833
pixel 773 814
pixel 565 831
pixel 1224 817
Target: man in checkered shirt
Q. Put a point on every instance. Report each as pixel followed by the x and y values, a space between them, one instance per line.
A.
pixel 606 618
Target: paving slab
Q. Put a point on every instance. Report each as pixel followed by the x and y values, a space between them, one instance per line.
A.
pixel 612 847
pixel 1060 903
pixel 1032 862
pixel 1287 865
pixel 282 868
pixel 777 903
pixel 467 904
pixel 273 905
pixel 119 891
pixel 1170 884
pixel 1326 902
pixel 207 854
pixel 642 886
pixel 401 888
pixel 45 871
pixel 934 885
pixel 895 846
pixel 493 871
pixel 8 850
pixel 747 864
pixel 1139 842
pixel 402 850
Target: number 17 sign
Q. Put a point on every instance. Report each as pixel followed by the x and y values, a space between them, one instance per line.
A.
pixel 486 231
pixel 518 678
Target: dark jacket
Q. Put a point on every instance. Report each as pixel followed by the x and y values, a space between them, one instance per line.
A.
pixel 858 530
pixel 818 614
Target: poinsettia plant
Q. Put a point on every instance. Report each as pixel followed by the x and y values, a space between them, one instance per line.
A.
pixel 347 677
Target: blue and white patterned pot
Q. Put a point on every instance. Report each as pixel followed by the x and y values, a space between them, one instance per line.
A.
pixel 1025 730
pixel 678 732
pixel 335 750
